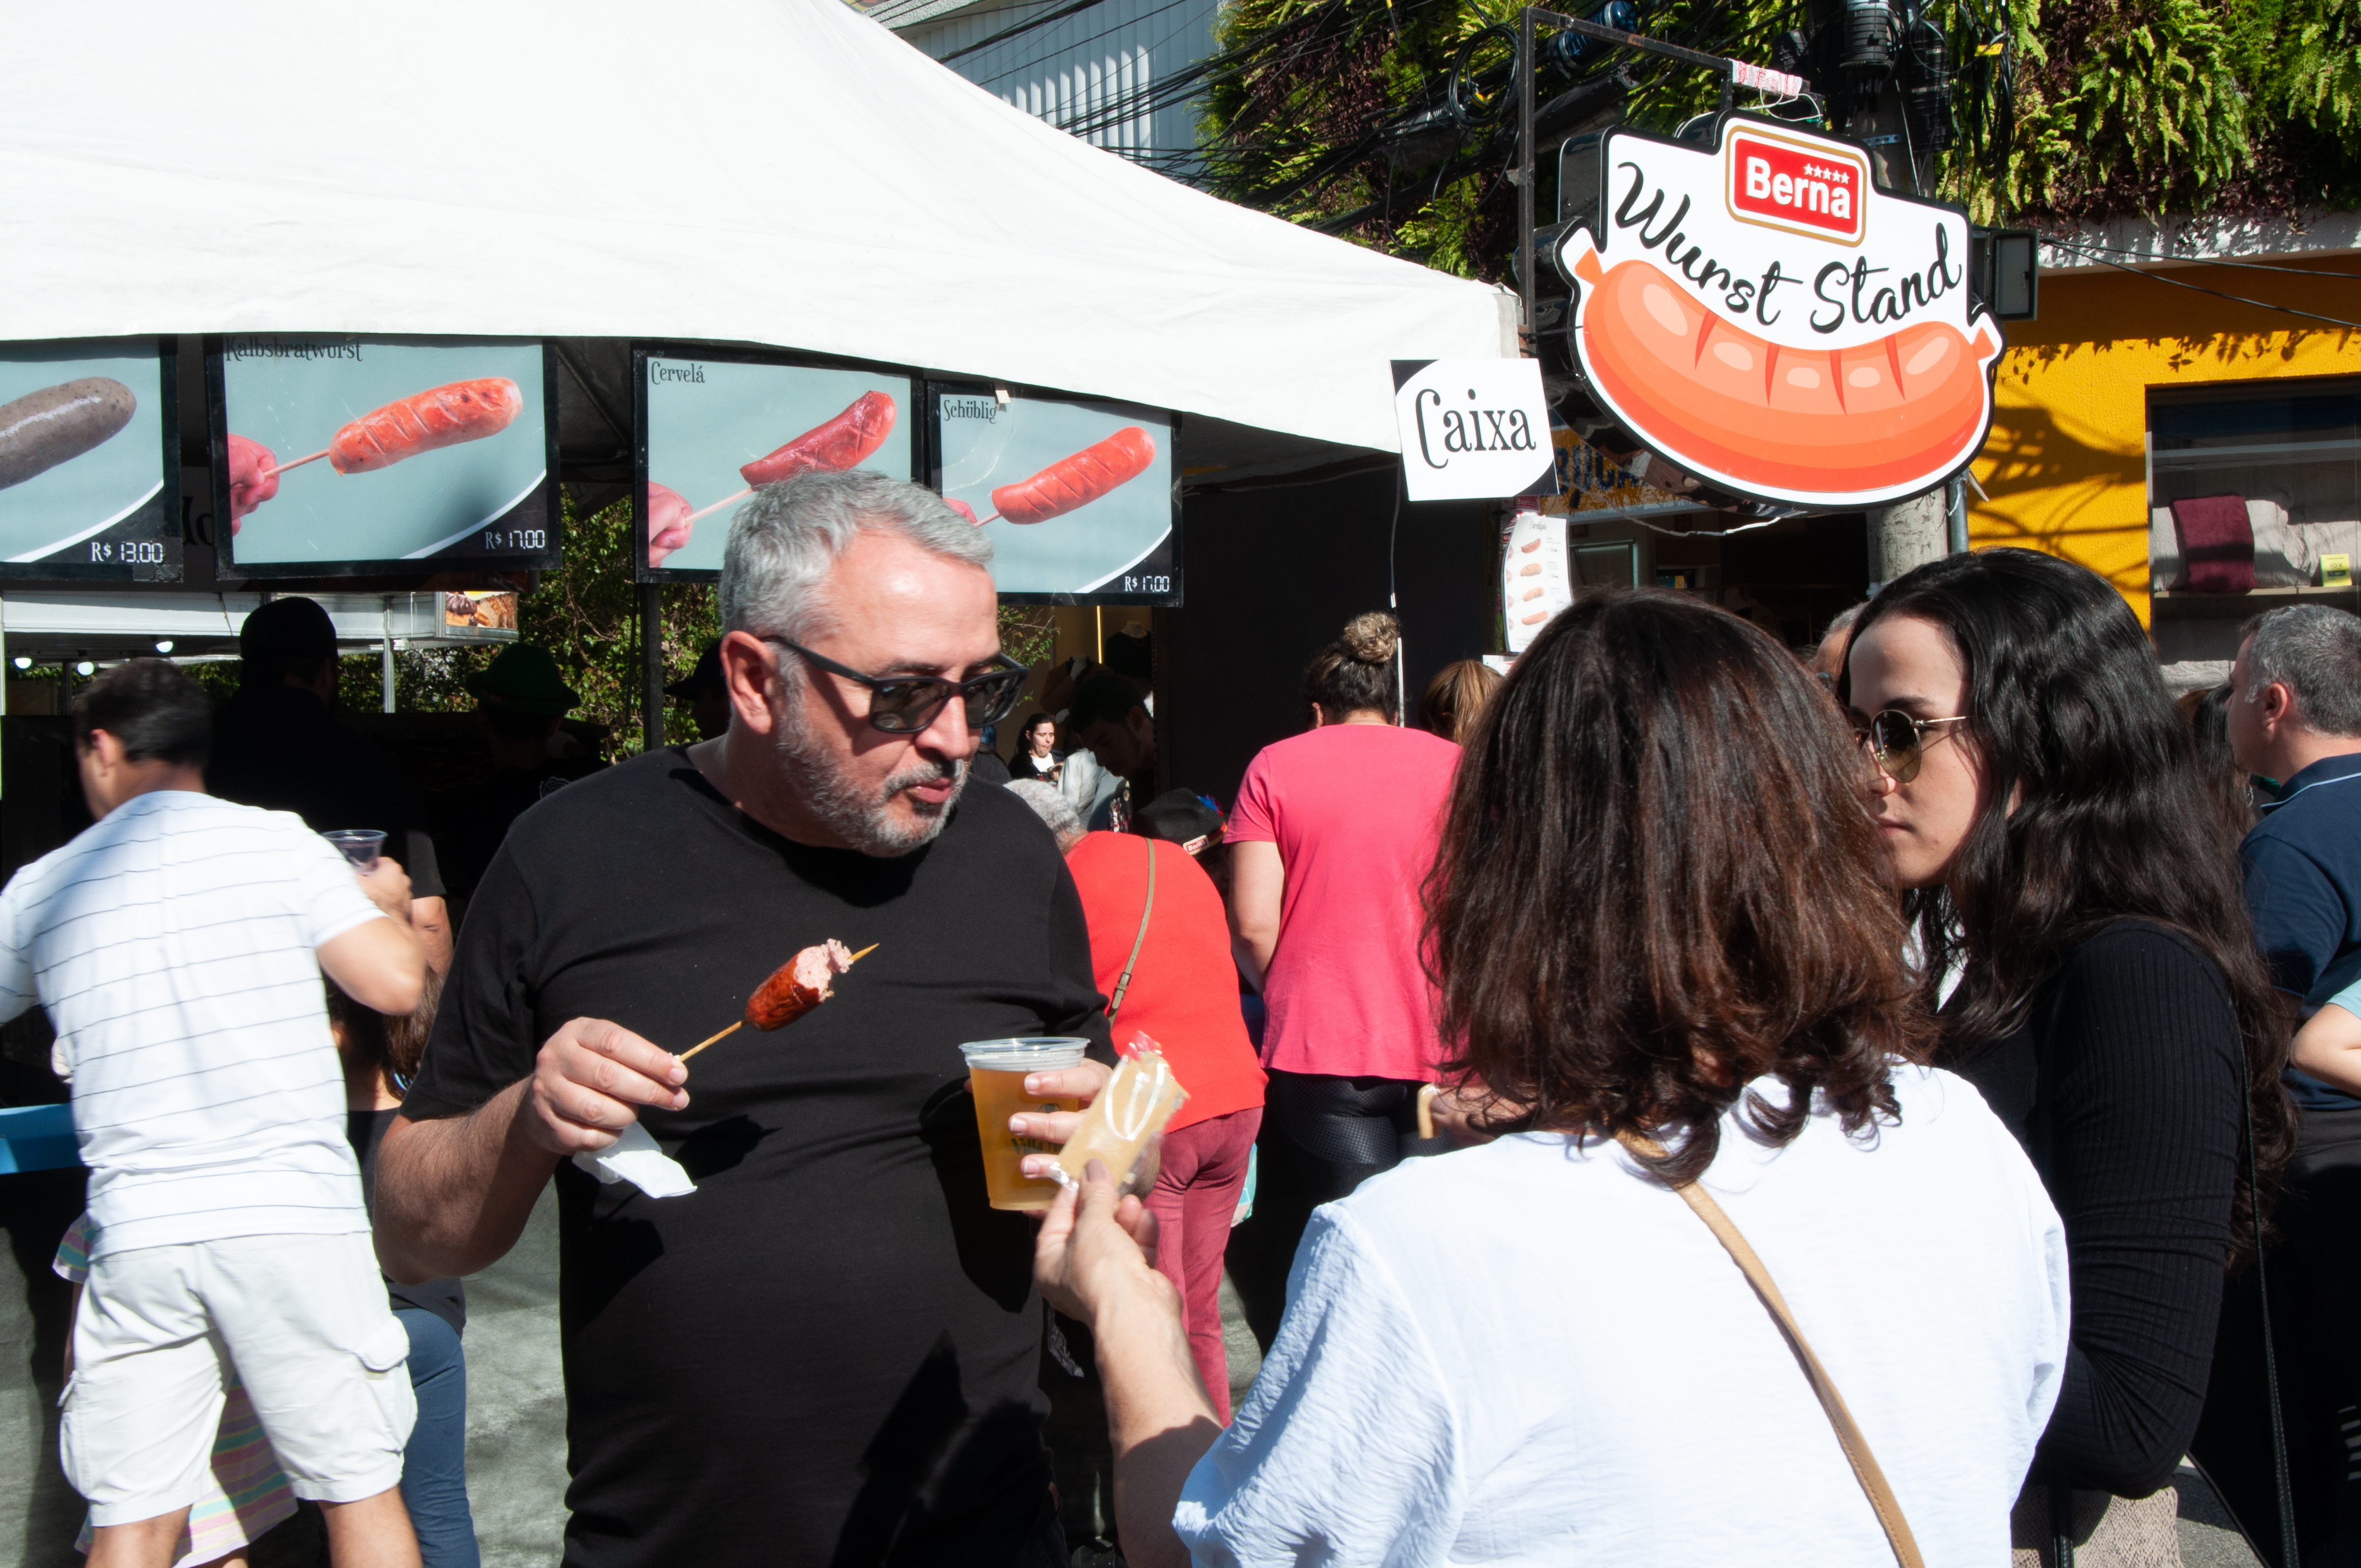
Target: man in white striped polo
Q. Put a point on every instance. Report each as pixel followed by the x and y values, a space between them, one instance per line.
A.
pixel 178 945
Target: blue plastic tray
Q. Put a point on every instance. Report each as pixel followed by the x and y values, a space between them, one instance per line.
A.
pixel 36 1137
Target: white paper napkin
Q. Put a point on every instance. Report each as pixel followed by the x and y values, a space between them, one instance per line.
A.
pixel 635 1157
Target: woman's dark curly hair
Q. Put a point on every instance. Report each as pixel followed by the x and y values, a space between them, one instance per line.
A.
pixel 2095 808
pixel 1659 881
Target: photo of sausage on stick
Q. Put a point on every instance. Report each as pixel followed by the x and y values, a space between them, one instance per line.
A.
pixel 794 989
pixel 423 422
pixel 1072 483
pixel 846 441
pixel 57 424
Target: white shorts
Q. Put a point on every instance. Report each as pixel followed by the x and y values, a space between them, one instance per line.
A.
pixel 304 1321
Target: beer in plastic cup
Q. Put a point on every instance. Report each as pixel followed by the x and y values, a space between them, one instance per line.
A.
pixel 359 845
pixel 996 1076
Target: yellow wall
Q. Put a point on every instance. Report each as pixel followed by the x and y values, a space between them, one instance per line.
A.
pixel 2066 465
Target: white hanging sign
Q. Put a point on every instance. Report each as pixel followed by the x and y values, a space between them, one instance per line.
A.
pixel 1473 429
pixel 1536 579
pixel 1765 317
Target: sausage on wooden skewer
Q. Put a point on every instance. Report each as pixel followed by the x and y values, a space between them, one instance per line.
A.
pixel 794 989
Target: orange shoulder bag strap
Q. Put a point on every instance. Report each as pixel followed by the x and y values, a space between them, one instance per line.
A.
pixel 1123 981
pixel 1849 1435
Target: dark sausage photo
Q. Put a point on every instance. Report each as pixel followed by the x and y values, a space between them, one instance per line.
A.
pixel 57 424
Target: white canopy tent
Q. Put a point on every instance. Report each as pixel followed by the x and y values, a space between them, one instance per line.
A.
pixel 775 171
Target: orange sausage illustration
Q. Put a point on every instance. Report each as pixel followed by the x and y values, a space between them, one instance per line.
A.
pixel 1907 406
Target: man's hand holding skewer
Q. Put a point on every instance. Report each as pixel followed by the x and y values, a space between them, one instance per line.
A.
pixel 589 1082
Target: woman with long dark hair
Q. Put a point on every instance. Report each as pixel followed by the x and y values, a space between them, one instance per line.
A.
pixel 1659 915
pixel 2066 859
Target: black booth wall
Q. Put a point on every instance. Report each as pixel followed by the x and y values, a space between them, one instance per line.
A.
pixel 1273 574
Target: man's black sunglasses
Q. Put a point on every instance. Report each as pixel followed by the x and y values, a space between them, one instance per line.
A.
pixel 904 705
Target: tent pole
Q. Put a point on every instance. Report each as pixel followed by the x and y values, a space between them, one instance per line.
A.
pixel 652 665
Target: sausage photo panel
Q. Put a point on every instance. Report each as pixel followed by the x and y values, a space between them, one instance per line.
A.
pixel 1766 318
pixel 85 437
pixel 1076 495
pixel 347 455
pixel 713 427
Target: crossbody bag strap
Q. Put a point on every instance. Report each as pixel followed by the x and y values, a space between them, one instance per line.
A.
pixel 1849 1434
pixel 1123 981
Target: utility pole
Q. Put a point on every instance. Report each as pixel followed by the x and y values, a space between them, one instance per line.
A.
pixel 1912 533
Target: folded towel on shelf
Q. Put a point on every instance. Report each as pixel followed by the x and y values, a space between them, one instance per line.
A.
pixel 2287 554
pixel 2217 542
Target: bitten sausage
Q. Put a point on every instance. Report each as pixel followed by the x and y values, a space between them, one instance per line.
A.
pixel 668 524
pixel 424 422
pixel 848 440
pixel 1073 482
pixel 1794 419
pixel 251 481
pixel 797 986
pixel 56 425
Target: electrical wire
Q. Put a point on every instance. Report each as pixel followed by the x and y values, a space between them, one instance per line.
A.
pixel 2089 247
pixel 1081 43
pixel 1024 27
pixel 2201 288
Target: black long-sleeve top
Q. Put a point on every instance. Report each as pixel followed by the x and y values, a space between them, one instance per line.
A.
pixel 2125 1085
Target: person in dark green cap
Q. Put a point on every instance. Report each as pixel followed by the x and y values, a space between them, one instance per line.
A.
pixel 520 698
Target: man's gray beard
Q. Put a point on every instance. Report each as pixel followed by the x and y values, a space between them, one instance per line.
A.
pixel 854 813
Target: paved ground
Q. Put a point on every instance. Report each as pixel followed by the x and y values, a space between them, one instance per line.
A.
pixel 516 1411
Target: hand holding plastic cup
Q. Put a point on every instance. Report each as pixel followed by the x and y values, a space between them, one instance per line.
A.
pixel 360 845
pixel 995 1075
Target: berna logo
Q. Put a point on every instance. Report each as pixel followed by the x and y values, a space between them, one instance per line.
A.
pixel 1804 188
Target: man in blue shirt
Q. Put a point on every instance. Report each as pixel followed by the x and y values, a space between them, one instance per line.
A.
pixel 2295 721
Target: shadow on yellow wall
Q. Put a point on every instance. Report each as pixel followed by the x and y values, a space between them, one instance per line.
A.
pixel 2066 465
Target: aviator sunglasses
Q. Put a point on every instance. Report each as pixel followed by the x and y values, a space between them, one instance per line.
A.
pixel 1897 742
pixel 904 705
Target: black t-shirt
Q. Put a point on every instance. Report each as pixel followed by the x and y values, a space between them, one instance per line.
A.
pixel 280 747
pixel 829 1352
pixel 446 1298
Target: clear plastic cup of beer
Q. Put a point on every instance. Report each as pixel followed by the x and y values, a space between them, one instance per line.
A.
pixel 996 1076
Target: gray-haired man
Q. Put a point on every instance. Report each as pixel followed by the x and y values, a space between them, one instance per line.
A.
pixel 827 1351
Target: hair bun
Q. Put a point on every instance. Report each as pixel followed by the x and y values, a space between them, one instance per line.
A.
pixel 1373 637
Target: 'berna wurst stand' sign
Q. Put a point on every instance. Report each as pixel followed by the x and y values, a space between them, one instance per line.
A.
pixel 1767 319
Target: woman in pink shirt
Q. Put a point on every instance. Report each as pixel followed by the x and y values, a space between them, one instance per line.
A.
pixel 1332 838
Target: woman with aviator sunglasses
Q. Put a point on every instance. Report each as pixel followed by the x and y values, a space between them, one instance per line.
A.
pixel 2042 805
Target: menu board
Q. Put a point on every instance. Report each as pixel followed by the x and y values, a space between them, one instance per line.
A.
pixel 714 425
pixel 88 433
pixel 1535 581
pixel 1078 496
pixel 338 455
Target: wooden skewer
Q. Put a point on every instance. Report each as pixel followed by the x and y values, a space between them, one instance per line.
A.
pixel 298 462
pixel 709 511
pixel 702 1044
pixel 741 1023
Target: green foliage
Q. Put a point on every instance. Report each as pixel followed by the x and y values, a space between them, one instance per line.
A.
pixel 2136 105
pixel 1334 114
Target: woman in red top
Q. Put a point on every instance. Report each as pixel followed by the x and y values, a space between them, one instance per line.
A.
pixel 1184 994
pixel 1330 840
